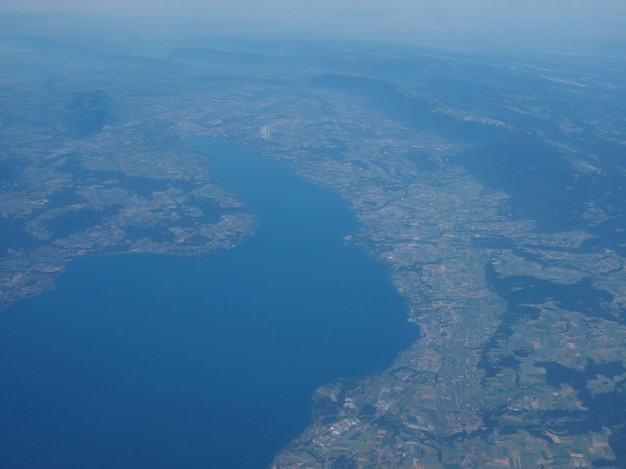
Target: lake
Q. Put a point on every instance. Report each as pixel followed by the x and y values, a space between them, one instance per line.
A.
pixel 160 361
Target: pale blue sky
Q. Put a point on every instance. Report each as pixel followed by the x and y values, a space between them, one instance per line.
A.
pixel 493 8
pixel 568 16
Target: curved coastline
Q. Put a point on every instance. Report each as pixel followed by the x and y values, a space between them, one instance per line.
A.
pixel 198 361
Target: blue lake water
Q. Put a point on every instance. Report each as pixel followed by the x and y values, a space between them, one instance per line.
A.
pixel 159 361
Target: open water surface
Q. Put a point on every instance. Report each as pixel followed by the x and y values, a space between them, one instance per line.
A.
pixel 159 361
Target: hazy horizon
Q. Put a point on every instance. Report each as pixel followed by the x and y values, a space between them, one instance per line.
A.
pixel 553 18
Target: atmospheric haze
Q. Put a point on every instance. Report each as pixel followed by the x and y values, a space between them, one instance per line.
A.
pixel 410 211
pixel 349 17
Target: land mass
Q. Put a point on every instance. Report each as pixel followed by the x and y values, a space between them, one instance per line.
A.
pixel 496 199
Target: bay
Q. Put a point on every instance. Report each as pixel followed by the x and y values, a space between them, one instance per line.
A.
pixel 159 361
